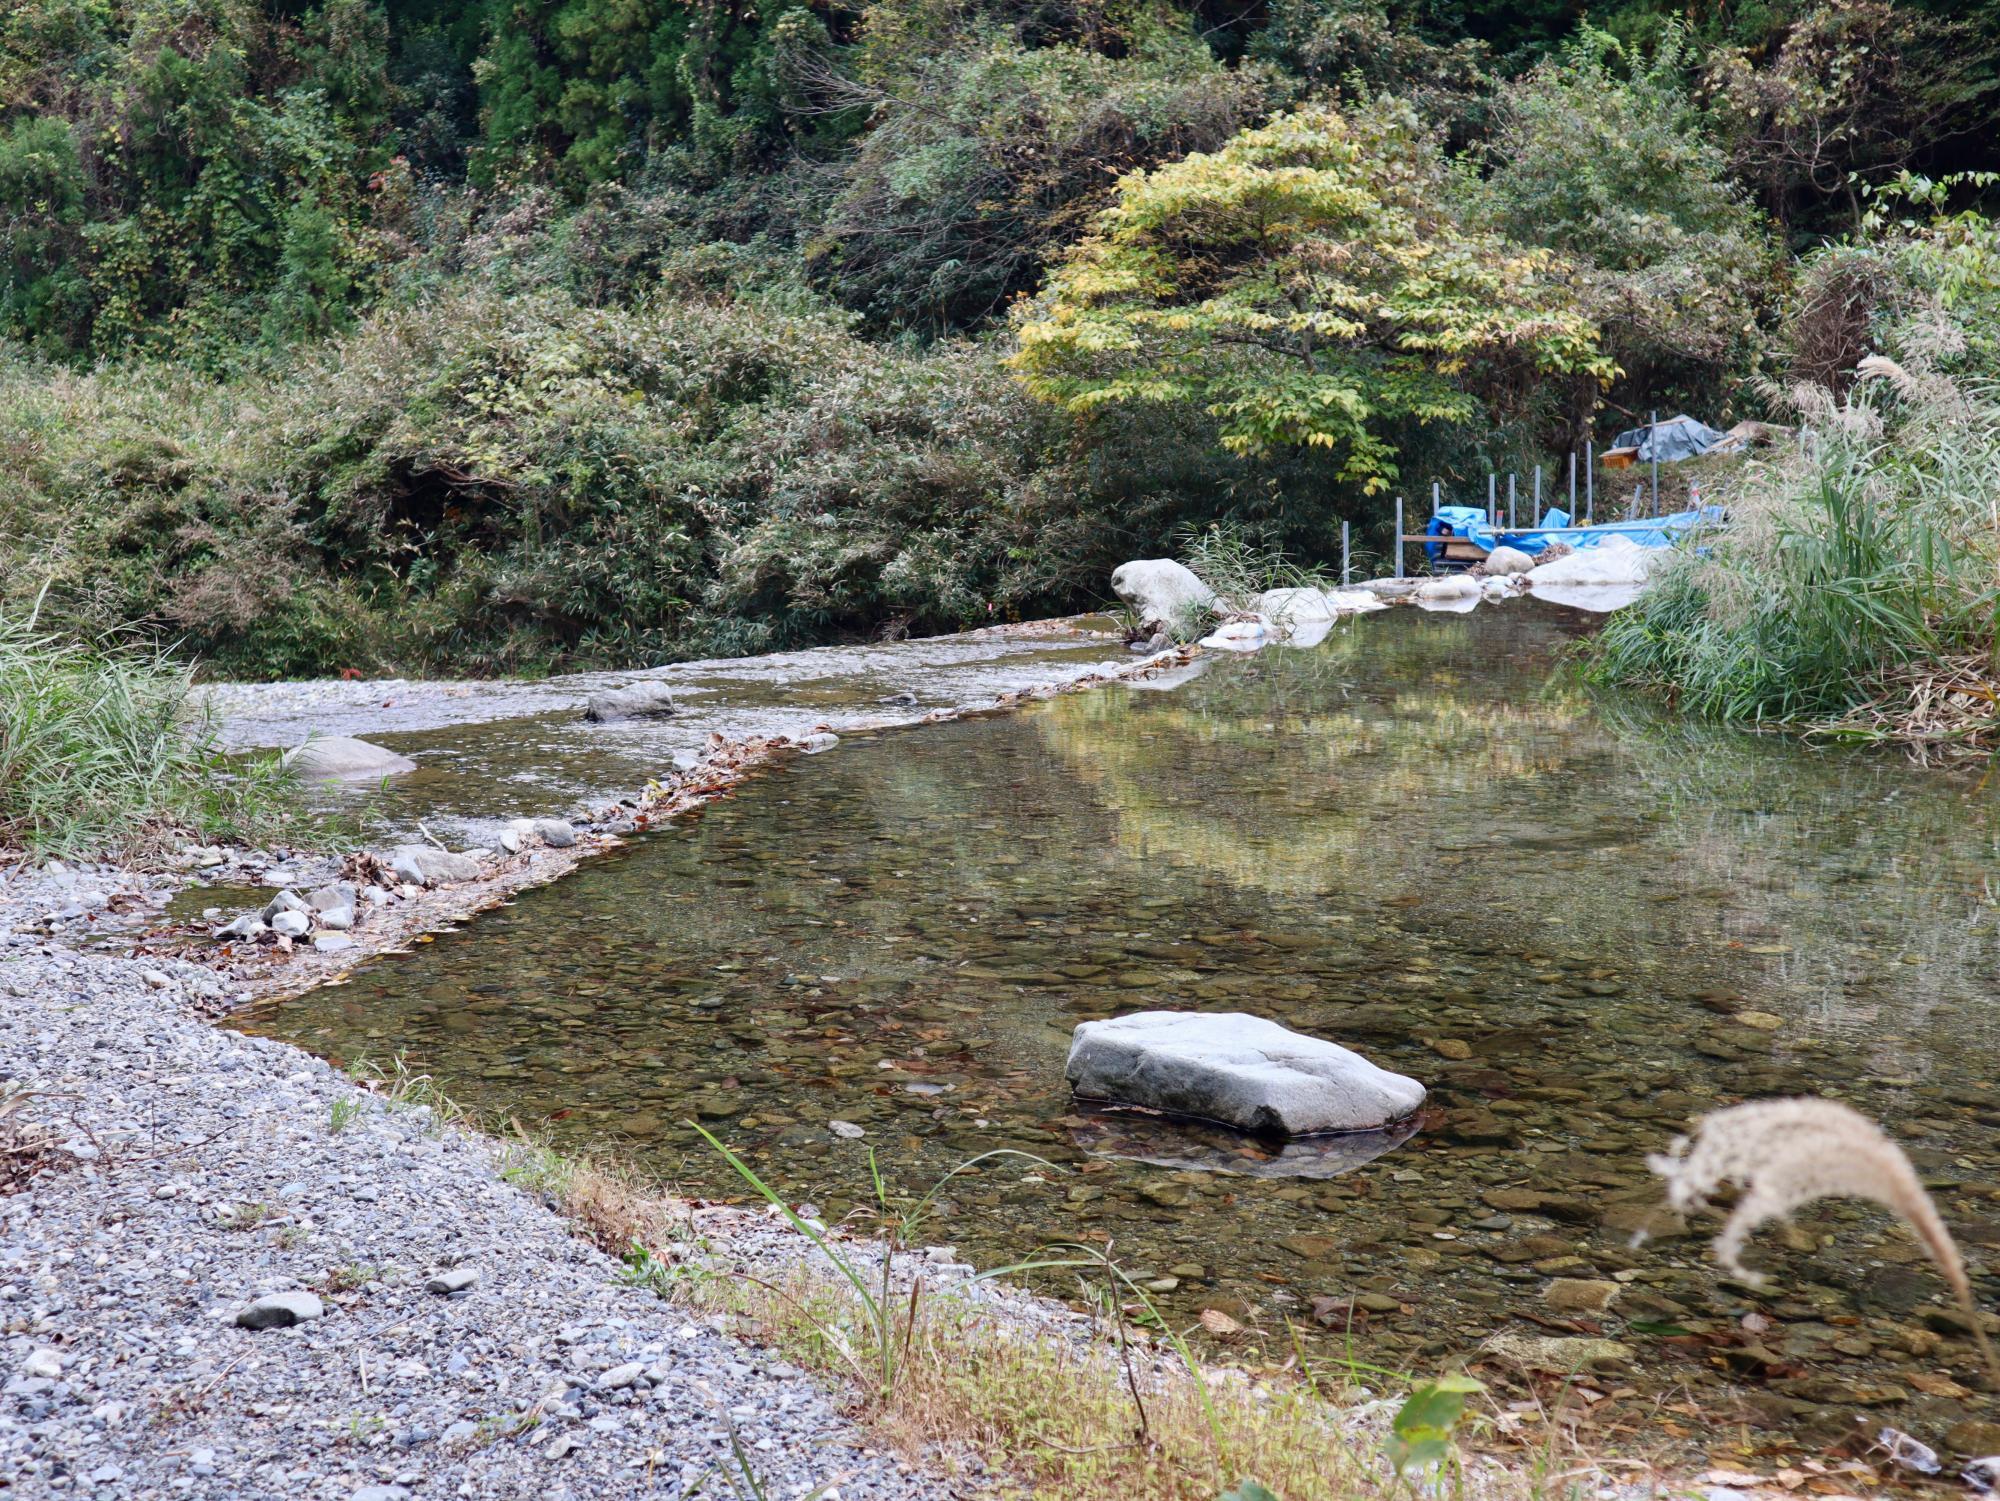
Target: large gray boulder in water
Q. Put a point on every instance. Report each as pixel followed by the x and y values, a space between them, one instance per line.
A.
pixel 1162 593
pixel 342 757
pixel 631 701
pixel 1241 1070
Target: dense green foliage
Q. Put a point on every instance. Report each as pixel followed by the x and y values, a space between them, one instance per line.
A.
pixel 1333 296
pixel 514 333
pixel 1860 567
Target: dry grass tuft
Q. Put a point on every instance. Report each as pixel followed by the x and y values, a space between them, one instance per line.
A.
pixel 27 1146
pixel 615 1205
pixel 1786 1153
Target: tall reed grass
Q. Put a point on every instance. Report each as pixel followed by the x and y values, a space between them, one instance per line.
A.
pixel 103 750
pixel 1855 560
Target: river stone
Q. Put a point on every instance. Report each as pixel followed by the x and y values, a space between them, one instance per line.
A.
pixel 556 833
pixel 1451 586
pixel 1161 592
pixel 338 757
pixel 1505 560
pixel 281 1310
pixel 1241 1070
pixel 249 925
pixel 1581 1295
pixel 425 865
pixel 630 701
pixel 1557 1356
pixel 290 924
pixel 284 901
pixel 330 897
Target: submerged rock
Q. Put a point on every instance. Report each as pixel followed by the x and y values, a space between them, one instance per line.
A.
pixel 1162 593
pixel 341 757
pixel 630 701
pixel 1190 1146
pixel 1558 1356
pixel 1241 1070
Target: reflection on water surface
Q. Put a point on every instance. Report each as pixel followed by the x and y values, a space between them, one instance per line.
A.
pixel 1577 924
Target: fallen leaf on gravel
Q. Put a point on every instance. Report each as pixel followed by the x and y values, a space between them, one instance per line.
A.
pixel 1218 1323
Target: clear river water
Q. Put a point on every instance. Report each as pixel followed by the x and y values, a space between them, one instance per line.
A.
pixel 1579 922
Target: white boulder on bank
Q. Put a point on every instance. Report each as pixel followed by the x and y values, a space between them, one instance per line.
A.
pixel 1241 1070
pixel 1451 591
pixel 1613 563
pixel 342 757
pixel 1504 560
pixel 1162 593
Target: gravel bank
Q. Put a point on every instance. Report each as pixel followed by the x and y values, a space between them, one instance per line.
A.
pixel 206 1172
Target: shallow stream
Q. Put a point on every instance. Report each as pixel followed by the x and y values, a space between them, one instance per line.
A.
pixel 1579 924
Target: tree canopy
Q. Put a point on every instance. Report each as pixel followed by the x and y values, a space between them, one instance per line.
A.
pixel 1309 284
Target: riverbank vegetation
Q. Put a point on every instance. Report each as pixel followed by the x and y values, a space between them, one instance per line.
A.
pixel 1046 1407
pixel 102 749
pixel 1857 592
pixel 385 335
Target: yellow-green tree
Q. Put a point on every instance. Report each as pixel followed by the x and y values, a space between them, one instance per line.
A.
pixel 1307 284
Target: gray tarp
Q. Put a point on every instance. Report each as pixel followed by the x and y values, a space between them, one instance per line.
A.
pixel 1677 438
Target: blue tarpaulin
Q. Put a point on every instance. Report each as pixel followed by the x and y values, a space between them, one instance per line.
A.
pixel 1470 523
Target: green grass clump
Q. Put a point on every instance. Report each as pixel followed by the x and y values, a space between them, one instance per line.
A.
pixel 103 751
pixel 1858 563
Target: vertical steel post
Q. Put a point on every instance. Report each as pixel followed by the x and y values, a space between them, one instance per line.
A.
pixel 1535 512
pixel 1510 502
pixel 1589 481
pixel 1399 536
pixel 1653 437
pixel 1572 487
pixel 1492 505
pixel 1434 497
pixel 1346 573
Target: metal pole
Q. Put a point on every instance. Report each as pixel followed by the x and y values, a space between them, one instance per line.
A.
pixel 1399 536
pixel 1535 515
pixel 1510 502
pixel 1434 497
pixel 1589 480
pixel 1572 484
pixel 1346 572
pixel 1492 506
pixel 1653 437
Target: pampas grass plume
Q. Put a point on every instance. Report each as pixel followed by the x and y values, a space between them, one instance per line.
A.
pixel 1785 1153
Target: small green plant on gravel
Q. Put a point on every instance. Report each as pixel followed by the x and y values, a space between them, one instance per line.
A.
pixel 343 1113
pixel 104 750
pixel 403 1088
pixel 245 1216
pixel 345 1279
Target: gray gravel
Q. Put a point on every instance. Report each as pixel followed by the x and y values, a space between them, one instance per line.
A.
pixel 208 1176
